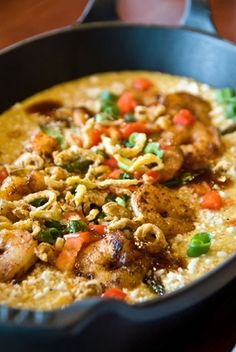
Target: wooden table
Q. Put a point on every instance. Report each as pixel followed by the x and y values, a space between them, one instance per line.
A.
pixel 23 18
pixel 20 19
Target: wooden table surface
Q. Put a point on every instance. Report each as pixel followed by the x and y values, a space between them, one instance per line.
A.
pixel 20 19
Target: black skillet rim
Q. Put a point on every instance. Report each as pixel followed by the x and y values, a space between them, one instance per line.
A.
pixel 110 24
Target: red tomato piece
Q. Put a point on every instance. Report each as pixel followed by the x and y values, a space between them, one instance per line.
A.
pixel 73 244
pixel 128 128
pixel 152 176
pixel 111 162
pixel 184 118
pixel 211 200
pixel 137 174
pixel 165 146
pixel 142 84
pixel 97 228
pixel 95 137
pixel 126 102
pixel 115 174
pixel 115 293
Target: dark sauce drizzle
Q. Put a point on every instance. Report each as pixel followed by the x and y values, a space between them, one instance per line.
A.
pixel 213 178
pixel 44 107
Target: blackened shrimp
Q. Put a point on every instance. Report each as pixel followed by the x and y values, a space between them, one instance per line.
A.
pixel 17 253
pixel 173 160
pixel 163 207
pixel 15 187
pixel 114 261
pixel 199 143
pixel 182 100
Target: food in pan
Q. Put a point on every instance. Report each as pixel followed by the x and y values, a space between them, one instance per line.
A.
pixel 116 185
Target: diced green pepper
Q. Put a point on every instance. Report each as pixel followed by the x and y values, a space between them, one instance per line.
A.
pixel 173 182
pixel 49 235
pixel 111 109
pixel 230 108
pixel 129 117
pixel 154 148
pixel 76 226
pixel 122 201
pixel 53 223
pixel 78 165
pixel 102 116
pixel 39 202
pixel 132 139
pixel 185 178
pixel 110 198
pixel 199 244
pixel 224 94
pixel 125 176
pixel 108 97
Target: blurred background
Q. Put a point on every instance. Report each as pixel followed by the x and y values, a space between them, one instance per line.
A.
pixel 20 19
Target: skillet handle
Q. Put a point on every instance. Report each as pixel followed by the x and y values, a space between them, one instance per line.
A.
pixel 99 10
pixel 197 15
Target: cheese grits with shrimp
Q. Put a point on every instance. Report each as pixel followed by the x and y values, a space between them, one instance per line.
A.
pixel 117 185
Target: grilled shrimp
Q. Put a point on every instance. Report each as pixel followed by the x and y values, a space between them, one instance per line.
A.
pixel 173 160
pixel 163 207
pixel 198 143
pixel 16 253
pixel 114 261
pixel 182 100
pixel 15 187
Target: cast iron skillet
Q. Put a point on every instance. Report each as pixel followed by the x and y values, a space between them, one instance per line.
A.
pixel 72 52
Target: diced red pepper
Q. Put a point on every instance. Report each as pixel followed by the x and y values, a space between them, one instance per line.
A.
pixel 126 102
pixel 112 131
pixel 100 229
pixel 166 146
pixel 115 174
pixel 111 162
pixel 152 176
pixel 128 128
pixel 142 84
pixel 137 174
pixel 115 293
pixel 184 118
pixel 73 244
pixel 211 200
pixel 95 137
